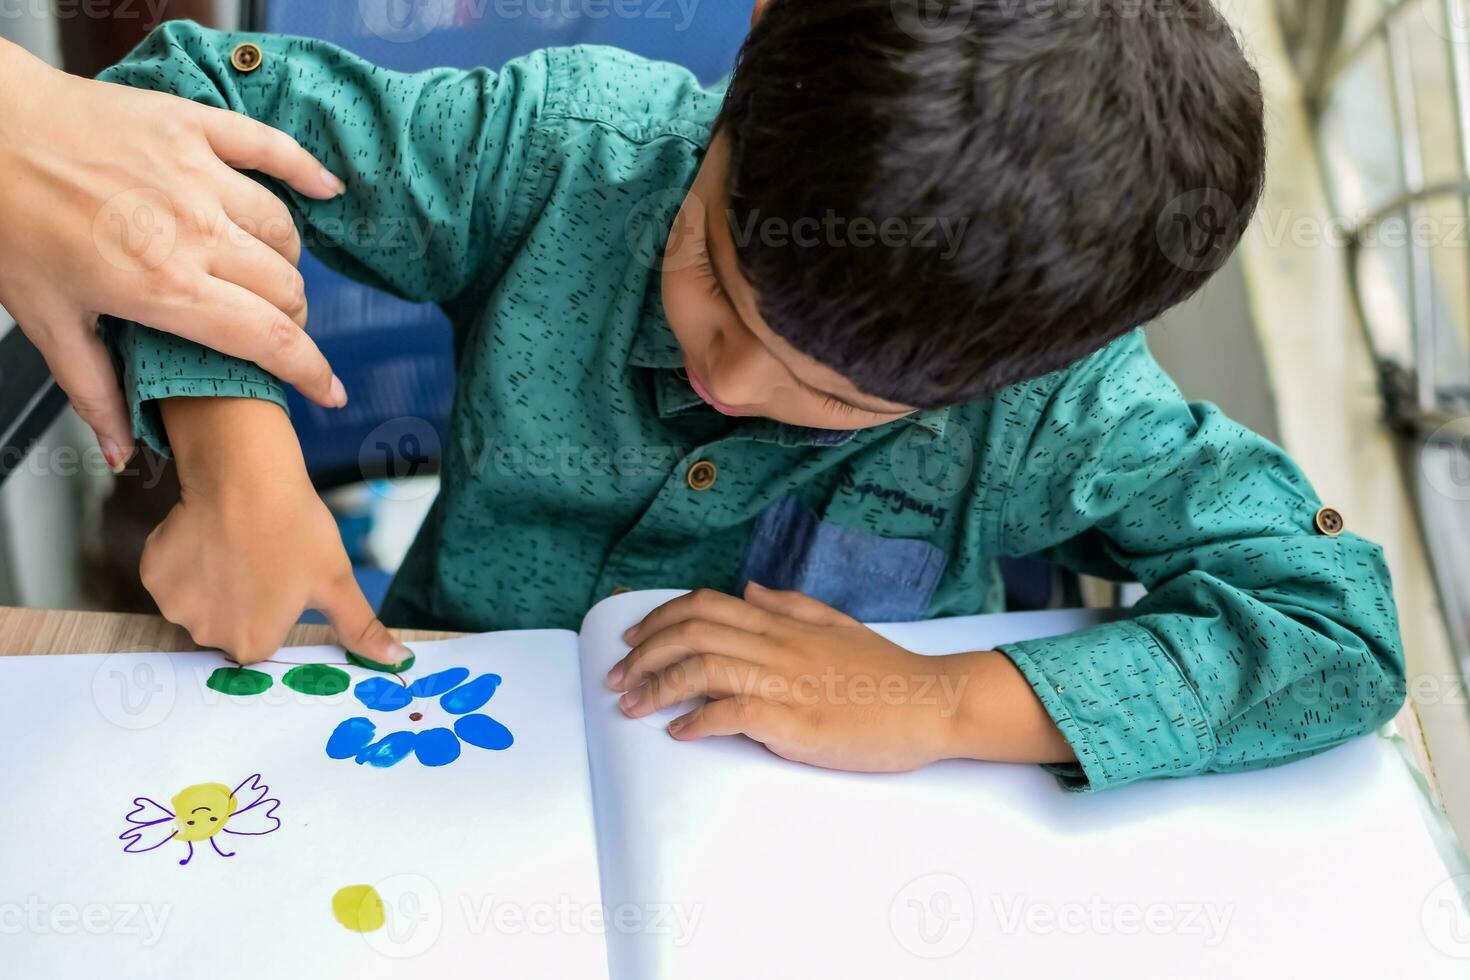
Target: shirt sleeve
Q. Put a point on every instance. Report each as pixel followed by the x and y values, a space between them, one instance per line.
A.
pixel 434 163
pixel 1261 639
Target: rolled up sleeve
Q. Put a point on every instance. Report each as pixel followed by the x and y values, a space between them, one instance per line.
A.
pixel 1262 638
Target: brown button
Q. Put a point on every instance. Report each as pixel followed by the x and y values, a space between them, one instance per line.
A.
pixel 620 590
pixel 1330 522
pixel 246 57
pixel 702 475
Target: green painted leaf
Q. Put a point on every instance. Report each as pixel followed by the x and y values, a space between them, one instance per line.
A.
pixel 316 680
pixel 238 682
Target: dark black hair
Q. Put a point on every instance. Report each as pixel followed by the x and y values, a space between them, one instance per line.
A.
pixel 1093 161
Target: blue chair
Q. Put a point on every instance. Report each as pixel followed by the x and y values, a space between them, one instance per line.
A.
pixel 394 357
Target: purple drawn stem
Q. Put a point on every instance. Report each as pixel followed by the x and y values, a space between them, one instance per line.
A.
pixel 221 853
pixel 191 854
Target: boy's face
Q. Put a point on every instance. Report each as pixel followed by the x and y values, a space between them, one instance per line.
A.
pixel 735 362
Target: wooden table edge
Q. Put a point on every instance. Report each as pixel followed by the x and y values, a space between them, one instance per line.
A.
pixel 26 632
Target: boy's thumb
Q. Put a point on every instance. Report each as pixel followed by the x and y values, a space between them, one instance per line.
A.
pixel 359 630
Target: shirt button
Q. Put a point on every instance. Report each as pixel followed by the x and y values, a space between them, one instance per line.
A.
pixel 246 57
pixel 1330 522
pixel 702 475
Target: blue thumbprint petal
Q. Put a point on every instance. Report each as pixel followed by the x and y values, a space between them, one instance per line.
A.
pixel 471 696
pixel 436 684
pixel 436 747
pixel 349 738
pixel 388 750
pixel 381 694
pixel 484 731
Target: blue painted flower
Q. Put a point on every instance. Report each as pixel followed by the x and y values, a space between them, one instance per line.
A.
pixel 434 746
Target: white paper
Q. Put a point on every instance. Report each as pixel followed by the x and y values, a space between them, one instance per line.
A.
pixel 486 866
pixel 764 868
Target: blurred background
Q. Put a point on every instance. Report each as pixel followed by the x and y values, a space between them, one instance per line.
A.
pixel 1340 329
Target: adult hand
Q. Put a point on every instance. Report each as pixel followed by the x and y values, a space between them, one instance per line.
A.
pixel 130 203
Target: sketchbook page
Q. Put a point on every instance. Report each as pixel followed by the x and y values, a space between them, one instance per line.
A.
pixel 360 845
pixel 742 864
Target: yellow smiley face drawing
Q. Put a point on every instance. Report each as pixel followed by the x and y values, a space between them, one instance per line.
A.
pixel 201 811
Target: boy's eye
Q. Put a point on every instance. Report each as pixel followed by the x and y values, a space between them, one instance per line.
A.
pixel 839 406
pixel 707 271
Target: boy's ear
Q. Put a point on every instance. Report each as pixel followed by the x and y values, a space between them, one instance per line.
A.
pixel 757 10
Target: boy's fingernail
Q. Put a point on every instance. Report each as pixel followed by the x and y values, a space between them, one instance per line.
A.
pixel 630 633
pixel 403 659
pixel 757 586
pixel 333 182
pixel 677 724
pixel 339 392
pixel 629 701
pixel 114 456
pixel 615 676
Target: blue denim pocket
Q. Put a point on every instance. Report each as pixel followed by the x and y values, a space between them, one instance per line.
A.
pixel 871 578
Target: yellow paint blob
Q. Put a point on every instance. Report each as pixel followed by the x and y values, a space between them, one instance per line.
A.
pixel 358 907
pixel 201 811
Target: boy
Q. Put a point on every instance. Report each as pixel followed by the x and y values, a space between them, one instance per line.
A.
pixel 889 337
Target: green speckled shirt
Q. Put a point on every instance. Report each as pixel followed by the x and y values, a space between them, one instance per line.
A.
pixel 573 464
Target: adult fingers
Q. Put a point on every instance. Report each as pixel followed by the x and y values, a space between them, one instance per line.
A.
pixel 246 144
pixel 234 321
pixel 83 369
pixel 260 213
pixel 248 262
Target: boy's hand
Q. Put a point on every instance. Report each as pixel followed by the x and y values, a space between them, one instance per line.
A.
pixel 250 546
pixel 812 684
